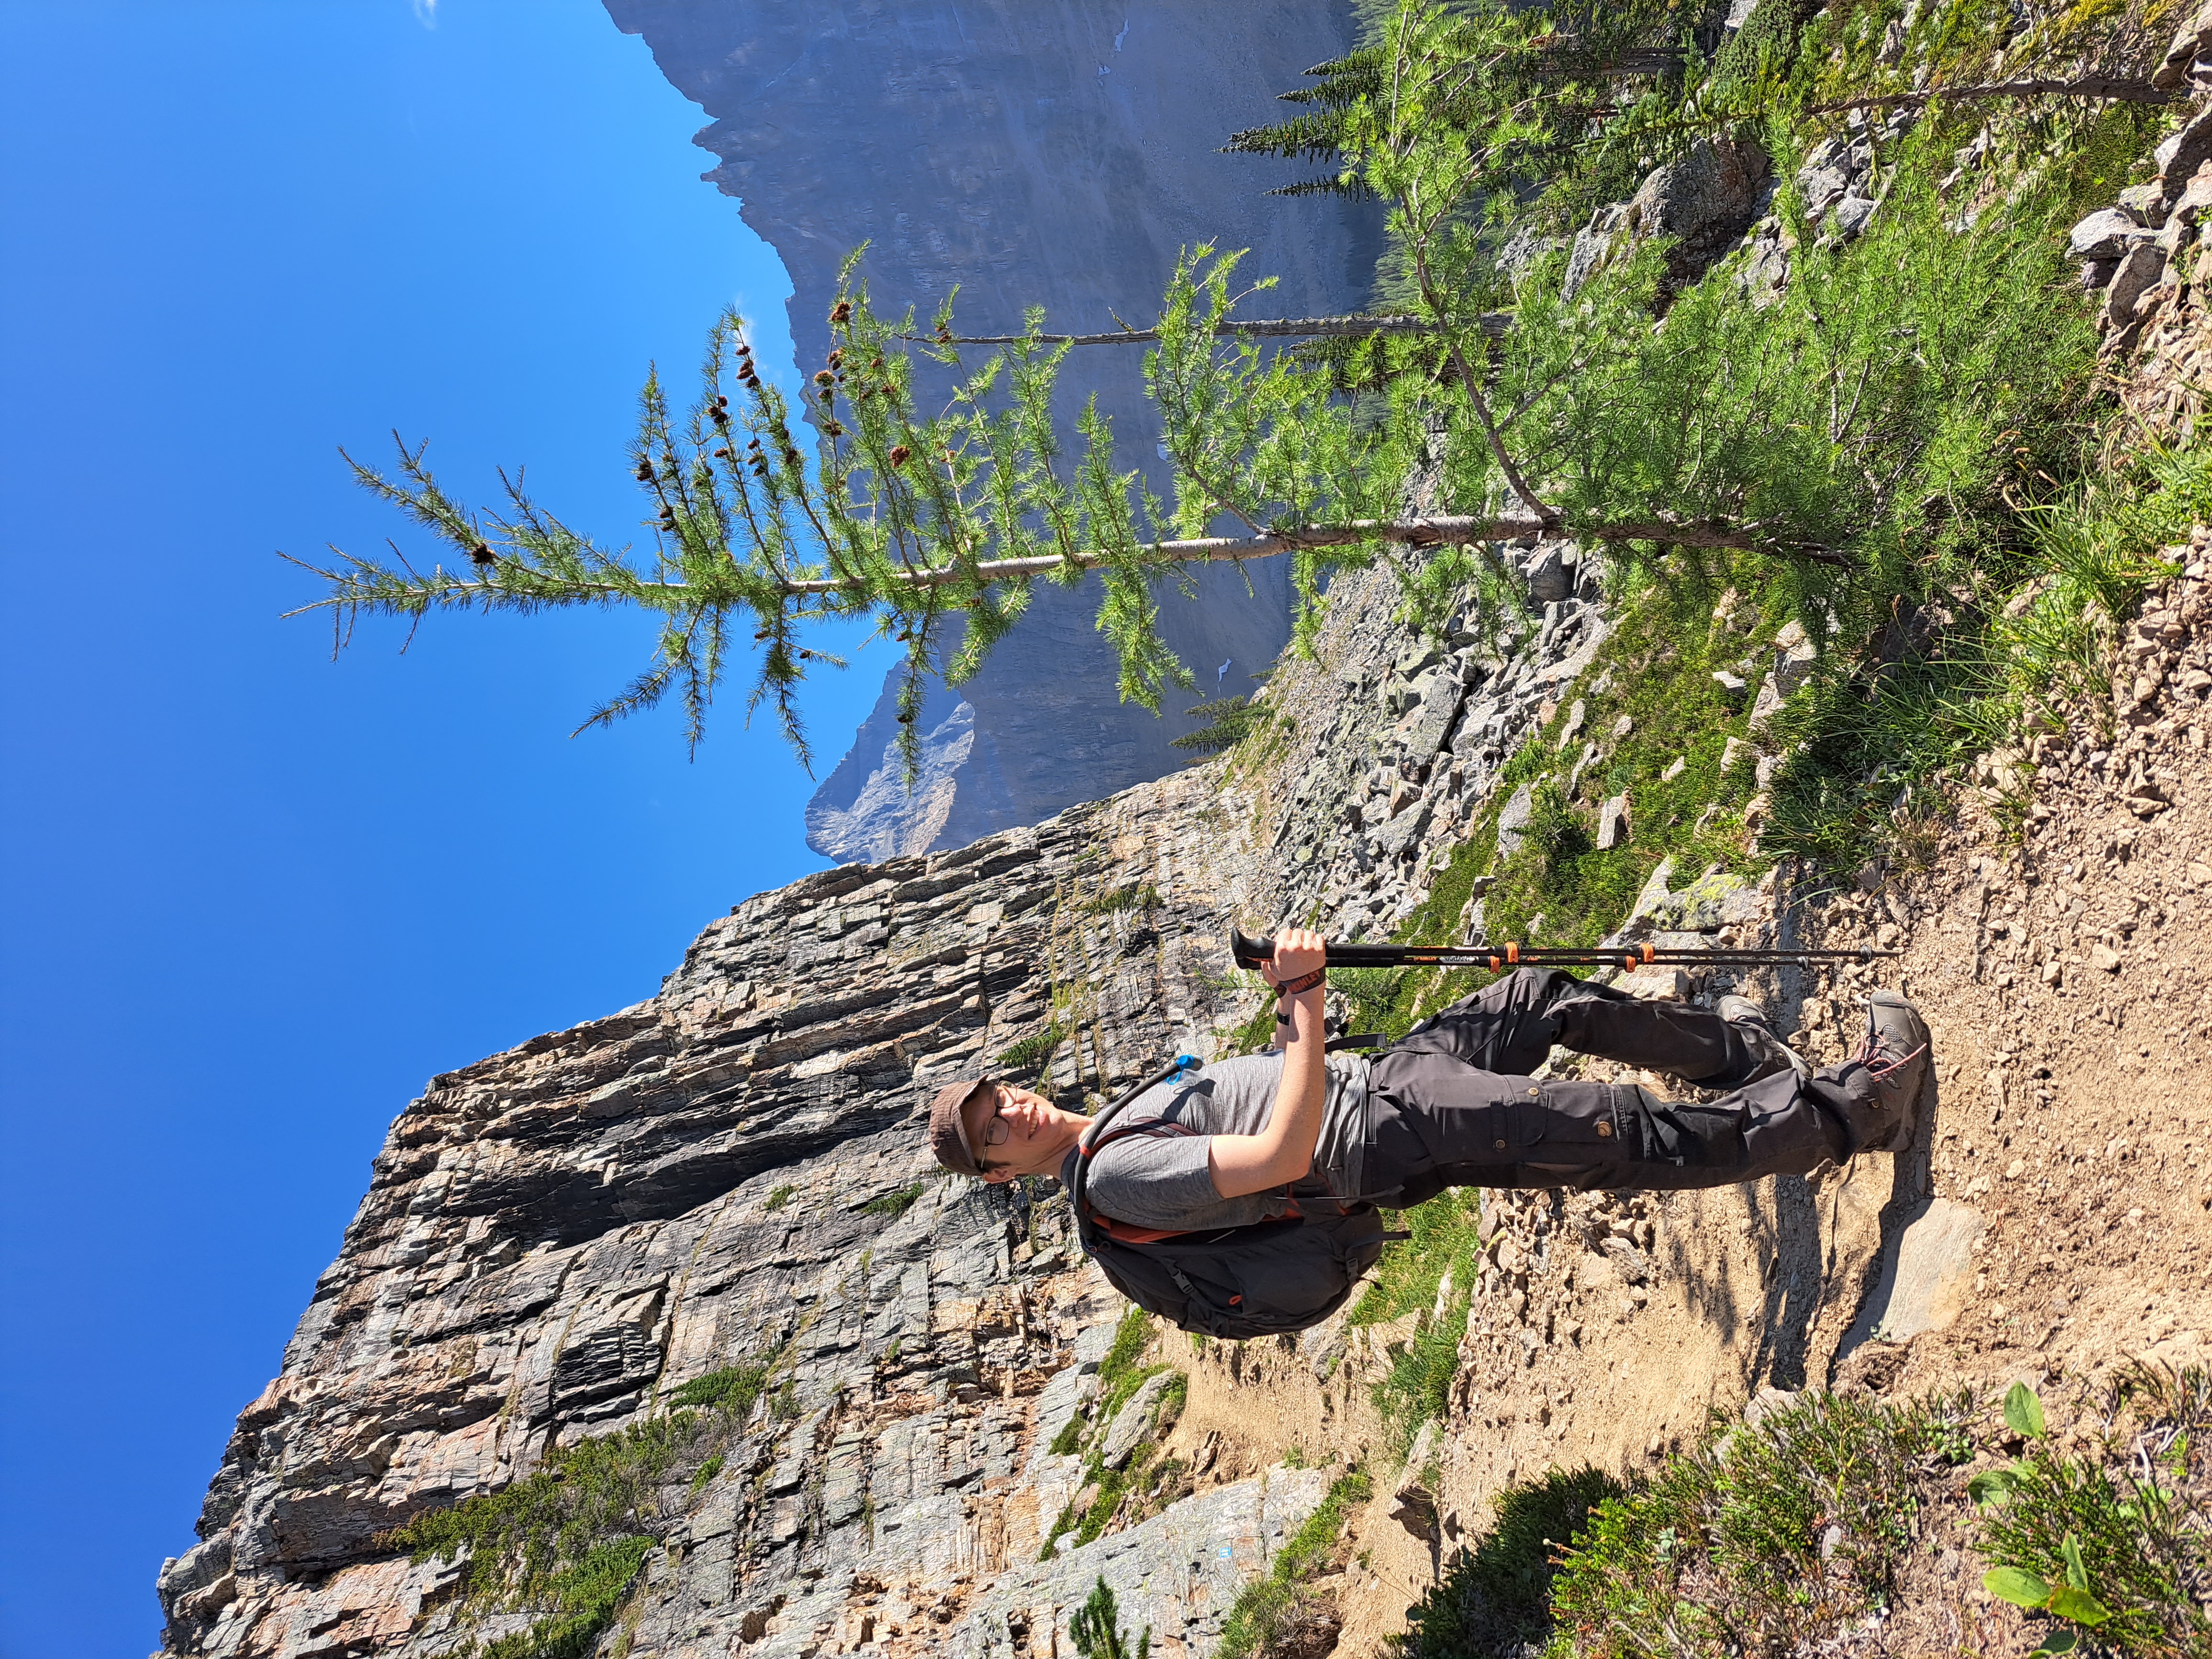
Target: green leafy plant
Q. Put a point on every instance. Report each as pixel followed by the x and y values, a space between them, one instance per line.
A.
pixel 732 1388
pixel 1096 1631
pixel 1035 1050
pixel 894 1205
pixel 565 1541
pixel 2110 1540
pixel 586 1598
pixel 779 1196
pixel 1275 1610
pixel 1495 1595
pixel 1768 1537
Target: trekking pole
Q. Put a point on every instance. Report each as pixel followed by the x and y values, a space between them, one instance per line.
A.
pixel 1250 952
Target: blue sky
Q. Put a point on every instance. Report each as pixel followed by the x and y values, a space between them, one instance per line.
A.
pixel 255 899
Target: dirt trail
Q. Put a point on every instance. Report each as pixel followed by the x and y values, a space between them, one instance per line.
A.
pixel 2052 1223
pixel 2068 982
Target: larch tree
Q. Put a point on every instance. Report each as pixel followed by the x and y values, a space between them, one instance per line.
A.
pixel 934 525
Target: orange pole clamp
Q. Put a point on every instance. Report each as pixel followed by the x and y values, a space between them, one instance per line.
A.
pixel 1512 951
pixel 1647 953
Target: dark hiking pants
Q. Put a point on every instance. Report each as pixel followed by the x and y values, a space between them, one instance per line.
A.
pixel 1452 1105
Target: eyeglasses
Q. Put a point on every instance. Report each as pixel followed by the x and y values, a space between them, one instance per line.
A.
pixel 996 1130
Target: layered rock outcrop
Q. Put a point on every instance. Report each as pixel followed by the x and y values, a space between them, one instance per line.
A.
pixel 557 1239
pixel 1061 157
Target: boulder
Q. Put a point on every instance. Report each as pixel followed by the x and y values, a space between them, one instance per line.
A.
pixel 1513 821
pixel 1705 201
pixel 1851 216
pixel 2145 204
pixel 2186 150
pixel 1133 1424
pixel 2139 272
pixel 1550 578
pixel 1613 823
pixel 2104 234
pixel 2192 42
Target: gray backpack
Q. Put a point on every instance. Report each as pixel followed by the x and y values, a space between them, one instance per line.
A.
pixel 1262 1279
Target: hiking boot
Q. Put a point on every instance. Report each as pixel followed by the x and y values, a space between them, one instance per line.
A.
pixel 1770 1052
pixel 1895 1052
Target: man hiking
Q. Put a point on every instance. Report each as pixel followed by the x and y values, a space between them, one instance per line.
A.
pixel 1251 1138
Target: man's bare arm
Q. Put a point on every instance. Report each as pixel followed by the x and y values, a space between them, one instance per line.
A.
pixel 1283 1152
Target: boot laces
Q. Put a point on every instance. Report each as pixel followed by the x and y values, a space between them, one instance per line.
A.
pixel 1881 1065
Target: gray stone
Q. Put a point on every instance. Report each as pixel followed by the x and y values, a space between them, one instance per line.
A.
pixel 2186 150
pixel 1549 578
pixel 1733 686
pixel 1513 821
pixel 1425 730
pixel 2145 204
pixel 1850 216
pixel 1927 1275
pixel 1704 202
pixel 1132 1424
pixel 1593 246
pixel 1651 895
pixel 1613 823
pixel 2104 234
pixel 2139 271
pixel 1702 907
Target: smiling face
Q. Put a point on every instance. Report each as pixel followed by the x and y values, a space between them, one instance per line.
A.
pixel 1036 1134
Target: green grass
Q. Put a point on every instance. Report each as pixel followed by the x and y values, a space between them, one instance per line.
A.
pixel 1267 1608
pixel 779 1197
pixel 1033 1051
pixel 1770 1539
pixel 587 1597
pixel 1118 1374
pixel 1495 1593
pixel 1446 1239
pixel 2124 1522
pixel 894 1205
pixel 733 1388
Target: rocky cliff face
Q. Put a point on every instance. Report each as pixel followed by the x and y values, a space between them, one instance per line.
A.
pixel 706 1225
pixel 1061 157
pixel 557 1240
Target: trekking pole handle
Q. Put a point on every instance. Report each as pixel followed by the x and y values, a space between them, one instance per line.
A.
pixel 1249 952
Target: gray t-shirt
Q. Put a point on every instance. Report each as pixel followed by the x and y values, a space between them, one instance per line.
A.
pixel 1159 1178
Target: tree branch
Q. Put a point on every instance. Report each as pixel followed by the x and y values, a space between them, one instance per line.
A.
pixel 2087 85
pixel 1456 530
pixel 1494 323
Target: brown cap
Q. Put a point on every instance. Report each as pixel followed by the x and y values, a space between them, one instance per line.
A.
pixel 948 1135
